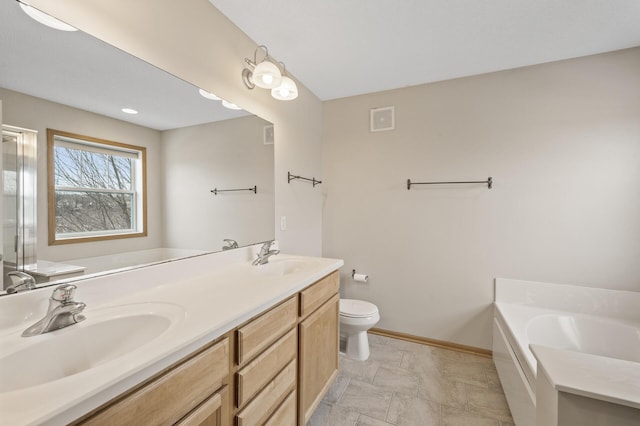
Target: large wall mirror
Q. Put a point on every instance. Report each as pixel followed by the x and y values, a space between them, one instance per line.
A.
pixel 209 168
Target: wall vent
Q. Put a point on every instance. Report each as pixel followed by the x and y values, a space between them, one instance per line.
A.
pixel 268 137
pixel 382 119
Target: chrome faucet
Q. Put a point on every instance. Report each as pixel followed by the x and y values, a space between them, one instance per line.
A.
pixel 231 244
pixel 264 254
pixel 20 281
pixel 63 311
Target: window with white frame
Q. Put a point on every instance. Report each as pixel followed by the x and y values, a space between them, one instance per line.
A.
pixel 96 189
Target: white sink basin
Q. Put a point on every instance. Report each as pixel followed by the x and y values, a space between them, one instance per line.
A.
pixel 105 335
pixel 280 267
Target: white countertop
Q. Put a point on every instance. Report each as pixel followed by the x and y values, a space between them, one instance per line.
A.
pixel 607 379
pixel 44 268
pixel 218 292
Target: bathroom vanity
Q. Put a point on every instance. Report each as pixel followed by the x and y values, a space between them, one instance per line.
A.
pixel 239 344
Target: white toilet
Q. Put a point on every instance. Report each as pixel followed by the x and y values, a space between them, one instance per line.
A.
pixel 356 317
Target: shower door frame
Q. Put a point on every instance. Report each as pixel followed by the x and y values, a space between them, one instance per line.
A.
pixel 26 199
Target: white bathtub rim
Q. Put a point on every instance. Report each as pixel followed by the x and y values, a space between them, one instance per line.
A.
pixel 617 381
pixel 613 380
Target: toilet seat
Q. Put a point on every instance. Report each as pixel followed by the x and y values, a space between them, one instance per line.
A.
pixel 352 308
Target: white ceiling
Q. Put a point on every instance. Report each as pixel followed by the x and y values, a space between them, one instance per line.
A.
pixel 340 48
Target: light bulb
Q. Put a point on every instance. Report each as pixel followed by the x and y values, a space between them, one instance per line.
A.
pixel 46 19
pixel 230 105
pixel 286 91
pixel 208 95
pixel 267 75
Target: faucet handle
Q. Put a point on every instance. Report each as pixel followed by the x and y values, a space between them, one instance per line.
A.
pixel 64 293
pixel 20 281
pixel 231 244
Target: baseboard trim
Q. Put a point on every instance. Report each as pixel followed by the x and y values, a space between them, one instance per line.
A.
pixel 432 342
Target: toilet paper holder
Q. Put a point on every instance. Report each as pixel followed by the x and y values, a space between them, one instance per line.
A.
pixel 359 277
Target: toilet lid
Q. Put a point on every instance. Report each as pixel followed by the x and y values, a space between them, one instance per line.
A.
pixel 357 308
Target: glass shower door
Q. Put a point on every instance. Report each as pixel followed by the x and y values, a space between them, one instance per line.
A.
pixel 18 200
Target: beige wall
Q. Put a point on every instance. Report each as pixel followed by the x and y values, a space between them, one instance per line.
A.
pixel 562 143
pixel 194 41
pixel 228 154
pixel 38 114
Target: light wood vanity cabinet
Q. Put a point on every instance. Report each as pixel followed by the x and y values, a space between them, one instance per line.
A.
pixel 273 370
pixel 267 363
pixel 193 392
pixel 318 343
pixel 314 296
pixel 212 412
pixel 260 332
pixel 285 415
pixel 253 377
pixel 313 350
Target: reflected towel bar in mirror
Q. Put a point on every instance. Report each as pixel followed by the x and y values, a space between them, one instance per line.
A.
pixel 216 190
pixel 291 177
pixel 489 182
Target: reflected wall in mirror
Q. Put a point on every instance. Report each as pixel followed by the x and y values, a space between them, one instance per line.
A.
pixel 70 81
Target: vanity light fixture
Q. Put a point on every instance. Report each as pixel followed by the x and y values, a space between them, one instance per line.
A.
pixel 267 75
pixel 230 105
pixel 211 96
pixel 129 111
pixel 287 90
pixel 45 19
pixel 208 95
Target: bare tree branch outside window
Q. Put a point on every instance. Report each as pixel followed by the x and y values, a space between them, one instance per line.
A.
pixel 93 191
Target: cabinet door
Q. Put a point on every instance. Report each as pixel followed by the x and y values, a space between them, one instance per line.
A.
pixel 318 355
pixel 210 413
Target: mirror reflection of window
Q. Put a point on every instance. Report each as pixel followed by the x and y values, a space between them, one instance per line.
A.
pixel 56 91
pixel 96 189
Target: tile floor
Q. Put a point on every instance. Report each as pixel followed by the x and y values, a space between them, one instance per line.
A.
pixel 404 383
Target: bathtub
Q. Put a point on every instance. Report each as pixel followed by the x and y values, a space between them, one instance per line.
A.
pixel 603 324
pixel 126 260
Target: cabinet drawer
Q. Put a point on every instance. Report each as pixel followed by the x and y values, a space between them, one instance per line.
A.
pixel 209 413
pixel 285 415
pixel 265 403
pixel 258 372
pixel 313 297
pixel 169 397
pixel 264 330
